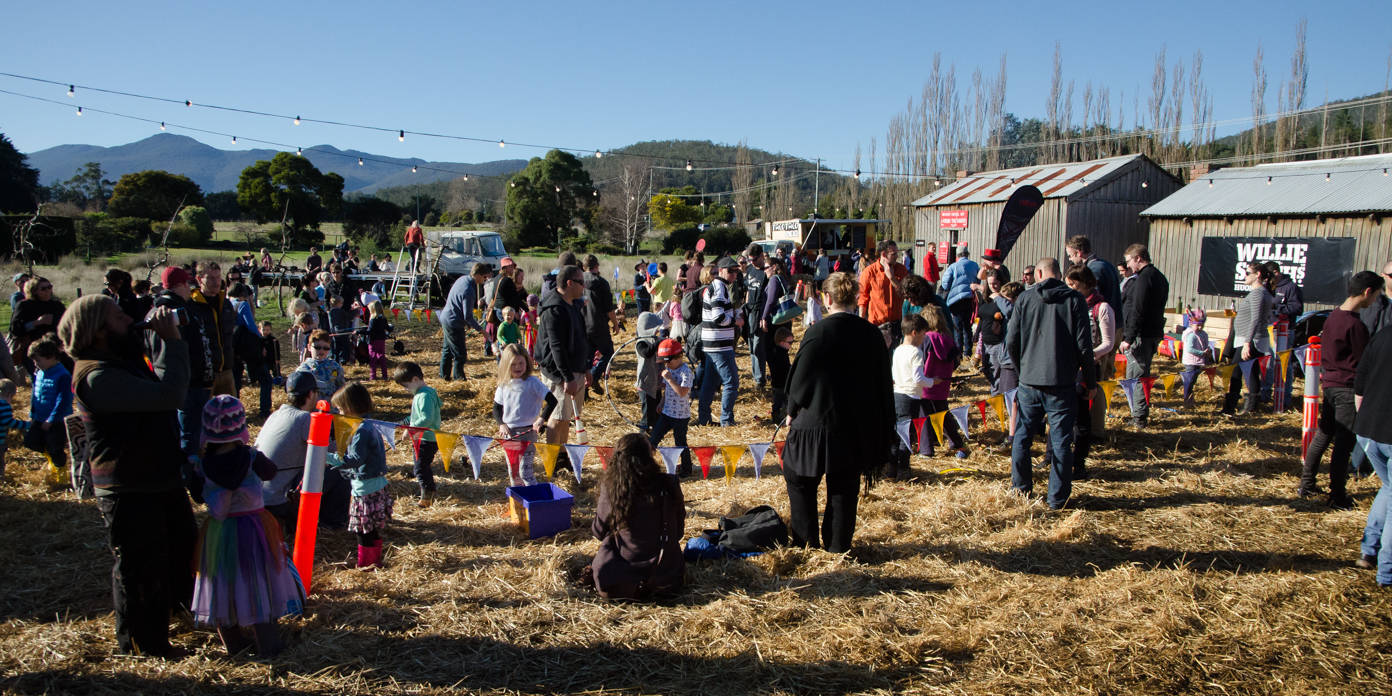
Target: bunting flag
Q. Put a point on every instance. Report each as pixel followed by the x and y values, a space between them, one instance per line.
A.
pixel 1167 383
pixel 576 454
pixel 1108 391
pixel 396 313
pixel 447 442
pixel 514 449
pixel 902 427
pixel 476 445
pixel 1285 356
pixel 1225 372
pixel 1128 387
pixel 1262 363
pixel 1271 333
pixel 918 424
pixel 386 430
pixel 1246 366
pixel 343 430
pixel 1300 354
pixel 427 314
pixel 778 447
pixel 981 406
pixel 960 415
pixel 1209 372
pixel 672 457
pixel 603 453
pixel 732 454
pixel 1147 384
pixel 937 419
pixel 548 453
pixel 704 455
pixel 758 450
pixel 415 315
pixel 997 403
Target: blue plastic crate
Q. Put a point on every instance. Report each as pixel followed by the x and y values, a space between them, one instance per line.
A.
pixel 542 509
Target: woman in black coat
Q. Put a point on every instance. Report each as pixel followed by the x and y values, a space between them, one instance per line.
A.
pixel 841 415
pixel 639 521
pixel 37 314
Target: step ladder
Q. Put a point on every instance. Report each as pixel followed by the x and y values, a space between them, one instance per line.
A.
pixel 407 284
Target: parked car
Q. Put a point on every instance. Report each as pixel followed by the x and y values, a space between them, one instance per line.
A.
pixel 460 249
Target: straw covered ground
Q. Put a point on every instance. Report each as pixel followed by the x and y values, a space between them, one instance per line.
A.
pixel 1185 564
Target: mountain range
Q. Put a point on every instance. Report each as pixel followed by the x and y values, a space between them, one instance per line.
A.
pixel 218 170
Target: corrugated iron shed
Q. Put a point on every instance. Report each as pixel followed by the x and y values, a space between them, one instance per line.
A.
pixel 1053 180
pixel 1319 187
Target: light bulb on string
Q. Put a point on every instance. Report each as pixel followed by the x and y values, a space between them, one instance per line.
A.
pixel 596 194
pixel 688 165
pixel 1145 184
pixel 1210 183
pixel 297 120
pixel 1268 181
pixel 413 169
pixel 1326 176
pixel 857 174
pixel 501 143
pixel 360 162
pixel 558 189
pixel 161 125
pixel 234 140
pixel 188 102
pixel 1384 171
pixel 71 90
pixel 775 171
pixel 299 151
pixel 466 177
pixel 401 136
pixel 79 111
pixel 598 154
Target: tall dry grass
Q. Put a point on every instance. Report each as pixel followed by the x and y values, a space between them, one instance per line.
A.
pixel 1185 565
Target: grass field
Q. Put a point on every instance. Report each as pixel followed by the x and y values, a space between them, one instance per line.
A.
pixel 1185 565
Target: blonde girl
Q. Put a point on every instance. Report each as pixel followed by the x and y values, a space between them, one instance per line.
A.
pixel 517 403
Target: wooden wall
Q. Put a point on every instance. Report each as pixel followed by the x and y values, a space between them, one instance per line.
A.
pixel 1175 247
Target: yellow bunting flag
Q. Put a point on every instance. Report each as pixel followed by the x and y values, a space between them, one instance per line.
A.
pixel 1225 372
pixel 1108 388
pixel 343 430
pixel 548 454
pixel 446 442
pixel 1168 382
pixel 732 454
pixel 415 315
pixel 997 403
pixel 1285 361
pixel 1271 333
pixel 937 420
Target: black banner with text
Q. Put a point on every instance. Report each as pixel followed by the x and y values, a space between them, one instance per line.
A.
pixel 1320 266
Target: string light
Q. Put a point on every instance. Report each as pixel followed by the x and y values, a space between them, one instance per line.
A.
pixel 466 177
pixel 598 154
pixel 79 111
pixel 501 143
pixel 1326 176
pixel 1210 183
pixel 299 151
pixel 188 103
pixel 360 162
pixel 1268 181
pixel 688 165
pixel 297 120
pixel 71 90
pixel 234 140
pixel 401 136
pixel 413 169
pixel 558 189
pixel 857 174
pixel 161 125
pixel 775 170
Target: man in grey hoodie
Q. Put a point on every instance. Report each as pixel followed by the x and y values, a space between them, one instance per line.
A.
pixel 1050 341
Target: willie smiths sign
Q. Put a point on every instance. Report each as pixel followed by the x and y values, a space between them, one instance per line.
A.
pixel 1320 266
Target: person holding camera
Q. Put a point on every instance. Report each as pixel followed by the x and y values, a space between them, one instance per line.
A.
pixel 133 447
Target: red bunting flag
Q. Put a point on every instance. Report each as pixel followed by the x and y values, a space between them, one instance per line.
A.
pixel 1209 373
pixel 778 447
pixel 1146 384
pixel 981 406
pixel 1262 362
pixel 396 312
pixel 703 455
pixel 918 424
pixel 514 449
pixel 604 453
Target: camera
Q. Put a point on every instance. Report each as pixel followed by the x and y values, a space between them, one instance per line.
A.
pixel 180 318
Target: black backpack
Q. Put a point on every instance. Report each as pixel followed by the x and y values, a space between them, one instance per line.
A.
pixel 691 306
pixel 760 529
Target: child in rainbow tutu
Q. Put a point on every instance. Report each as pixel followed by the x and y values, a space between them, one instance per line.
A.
pixel 244 577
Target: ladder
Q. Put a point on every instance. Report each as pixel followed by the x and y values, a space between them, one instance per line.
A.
pixel 407 285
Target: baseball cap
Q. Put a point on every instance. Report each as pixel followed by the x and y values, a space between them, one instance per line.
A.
pixel 726 262
pixel 173 276
pixel 301 382
pixel 668 348
pixel 18 277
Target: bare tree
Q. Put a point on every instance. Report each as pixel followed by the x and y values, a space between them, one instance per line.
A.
pixel 1292 95
pixel 1201 105
pixel 1258 104
pixel 1052 107
pixel 741 181
pixel 1382 106
pixel 996 115
pixel 625 205
pixel 1158 108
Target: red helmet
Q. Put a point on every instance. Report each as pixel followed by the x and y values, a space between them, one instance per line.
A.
pixel 668 348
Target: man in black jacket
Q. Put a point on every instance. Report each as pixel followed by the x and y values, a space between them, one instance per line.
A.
pixel 754 280
pixel 208 302
pixel 1143 321
pixel 1289 304
pixel 194 334
pixel 1050 341
pixel 563 351
pixel 601 317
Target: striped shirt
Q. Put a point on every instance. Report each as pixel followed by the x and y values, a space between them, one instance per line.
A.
pixel 717 318
pixel 7 421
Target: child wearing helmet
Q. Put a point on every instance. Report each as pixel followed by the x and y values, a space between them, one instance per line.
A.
pixel 677 379
pixel 1196 352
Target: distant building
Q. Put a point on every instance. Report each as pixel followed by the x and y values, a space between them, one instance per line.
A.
pixel 1100 199
pixel 1322 220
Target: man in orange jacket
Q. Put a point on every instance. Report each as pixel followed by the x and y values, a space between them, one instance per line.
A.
pixel 881 301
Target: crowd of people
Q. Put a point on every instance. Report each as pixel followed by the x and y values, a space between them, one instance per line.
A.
pixel 155 371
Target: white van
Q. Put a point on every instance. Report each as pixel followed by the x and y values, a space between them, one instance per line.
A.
pixel 460 249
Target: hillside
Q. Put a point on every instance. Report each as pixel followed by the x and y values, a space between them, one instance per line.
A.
pixel 217 170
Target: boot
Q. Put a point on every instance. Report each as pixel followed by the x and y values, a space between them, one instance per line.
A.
pixel 364 557
pixel 377 554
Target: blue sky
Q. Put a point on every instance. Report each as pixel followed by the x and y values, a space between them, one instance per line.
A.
pixel 811 79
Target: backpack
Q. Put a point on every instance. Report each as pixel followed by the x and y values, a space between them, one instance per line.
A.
pixel 759 529
pixel 691 306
